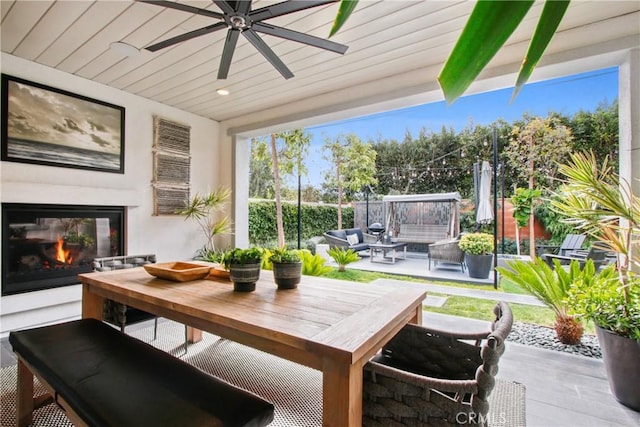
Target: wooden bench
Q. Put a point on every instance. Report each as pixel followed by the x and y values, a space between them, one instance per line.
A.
pixel 102 377
pixel 422 233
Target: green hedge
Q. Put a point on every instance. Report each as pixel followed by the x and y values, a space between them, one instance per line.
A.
pixel 316 219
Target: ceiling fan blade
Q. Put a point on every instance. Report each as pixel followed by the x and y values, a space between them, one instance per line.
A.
pixel 227 53
pixel 284 8
pixel 225 7
pixel 243 7
pixel 186 36
pixel 266 51
pixel 296 36
pixel 184 8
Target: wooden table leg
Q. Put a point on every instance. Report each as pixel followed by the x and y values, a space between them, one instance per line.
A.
pixel 193 335
pixel 92 304
pixel 341 394
pixel 24 404
pixel 417 319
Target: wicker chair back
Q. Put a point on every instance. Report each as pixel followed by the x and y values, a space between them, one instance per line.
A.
pixel 428 377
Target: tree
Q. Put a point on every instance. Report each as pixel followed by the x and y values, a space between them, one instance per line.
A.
pixel 534 153
pixel 260 170
pixel 597 131
pixel 287 159
pixel 354 164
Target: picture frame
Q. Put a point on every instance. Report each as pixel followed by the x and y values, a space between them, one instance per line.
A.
pixel 47 126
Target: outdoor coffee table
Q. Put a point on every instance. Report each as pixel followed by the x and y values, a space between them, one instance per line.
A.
pixel 385 248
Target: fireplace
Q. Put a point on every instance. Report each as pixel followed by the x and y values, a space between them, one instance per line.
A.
pixel 47 246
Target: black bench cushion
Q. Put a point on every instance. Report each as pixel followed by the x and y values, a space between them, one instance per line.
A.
pixel 111 379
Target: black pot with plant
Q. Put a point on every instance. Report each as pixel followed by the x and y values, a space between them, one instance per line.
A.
pixel 287 267
pixel 244 267
pixel 478 254
pixel 598 202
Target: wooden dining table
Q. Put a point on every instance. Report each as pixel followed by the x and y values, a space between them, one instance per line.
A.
pixel 334 326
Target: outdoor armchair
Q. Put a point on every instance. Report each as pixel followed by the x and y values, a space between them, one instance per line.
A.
pixel 594 253
pixel 446 251
pixel 430 377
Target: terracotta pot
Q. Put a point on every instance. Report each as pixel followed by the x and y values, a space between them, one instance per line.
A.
pixel 622 362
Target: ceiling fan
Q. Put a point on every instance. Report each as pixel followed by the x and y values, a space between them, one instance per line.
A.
pixel 238 18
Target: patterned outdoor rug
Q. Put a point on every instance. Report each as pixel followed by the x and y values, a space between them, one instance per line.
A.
pixel 295 390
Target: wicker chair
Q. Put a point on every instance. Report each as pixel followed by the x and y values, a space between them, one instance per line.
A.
pixel 446 251
pixel 426 377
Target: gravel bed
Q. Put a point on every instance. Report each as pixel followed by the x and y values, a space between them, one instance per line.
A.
pixel 543 337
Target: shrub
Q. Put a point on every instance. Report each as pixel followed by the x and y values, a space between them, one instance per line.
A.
pixel 477 243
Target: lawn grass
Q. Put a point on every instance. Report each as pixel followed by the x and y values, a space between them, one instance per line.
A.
pixel 482 309
pixel 473 308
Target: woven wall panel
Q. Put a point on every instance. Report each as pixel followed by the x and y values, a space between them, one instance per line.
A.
pixel 168 200
pixel 172 169
pixel 172 137
pixel 171 166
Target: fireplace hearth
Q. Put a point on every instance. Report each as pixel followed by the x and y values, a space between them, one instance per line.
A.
pixel 47 246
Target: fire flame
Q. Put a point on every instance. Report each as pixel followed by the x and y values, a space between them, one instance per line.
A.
pixel 62 255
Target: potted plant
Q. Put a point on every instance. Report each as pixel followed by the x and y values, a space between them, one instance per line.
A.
pixel 287 267
pixel 551 286
pixel 244 267
pixel 478 253
pixel 597 201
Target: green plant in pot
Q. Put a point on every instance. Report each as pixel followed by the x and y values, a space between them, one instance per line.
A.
pixel 287 267
pixel 478 253
pixel 244 267
pixel 598 202
pixel 551 286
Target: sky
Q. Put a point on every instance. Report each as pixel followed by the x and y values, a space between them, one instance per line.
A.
pixel 566 95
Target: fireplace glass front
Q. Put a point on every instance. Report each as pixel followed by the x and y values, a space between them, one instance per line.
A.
pixel 47 246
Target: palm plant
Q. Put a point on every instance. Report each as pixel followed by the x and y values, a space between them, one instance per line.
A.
pixel 204 210
pixel 551 286
pixel 343 257
pixel 597 202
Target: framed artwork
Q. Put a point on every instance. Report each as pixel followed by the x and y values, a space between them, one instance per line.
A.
pixel 47 126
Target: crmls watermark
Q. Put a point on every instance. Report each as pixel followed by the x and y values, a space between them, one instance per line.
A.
pixel 473 418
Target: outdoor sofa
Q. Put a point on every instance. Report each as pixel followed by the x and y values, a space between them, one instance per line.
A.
pixel 349 238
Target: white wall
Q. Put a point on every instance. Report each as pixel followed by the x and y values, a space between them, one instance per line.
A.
pixel 170 237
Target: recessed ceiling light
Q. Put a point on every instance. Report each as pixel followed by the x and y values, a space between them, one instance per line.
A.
pixel 222 92
pixel 125 49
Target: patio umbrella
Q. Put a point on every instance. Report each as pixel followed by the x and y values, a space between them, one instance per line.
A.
pixel 485 214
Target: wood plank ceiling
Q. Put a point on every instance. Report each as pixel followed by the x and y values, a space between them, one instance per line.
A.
pixel 385 39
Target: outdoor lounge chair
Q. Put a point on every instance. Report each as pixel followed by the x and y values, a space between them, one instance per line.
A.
pixel 446 251
pixel 429 377
pixel 596 254
pixel 571 242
